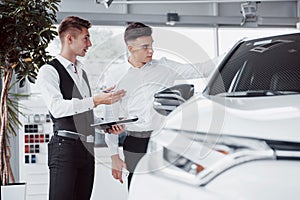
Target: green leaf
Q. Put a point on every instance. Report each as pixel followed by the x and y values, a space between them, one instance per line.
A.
pixel 22 82
pixel 20 21
pixel 31 79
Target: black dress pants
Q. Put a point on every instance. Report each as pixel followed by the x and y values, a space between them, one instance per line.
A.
pixel 72 167
pixel 134 148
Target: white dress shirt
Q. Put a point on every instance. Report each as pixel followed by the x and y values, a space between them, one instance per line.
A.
pixel 48 85
pixel 141 84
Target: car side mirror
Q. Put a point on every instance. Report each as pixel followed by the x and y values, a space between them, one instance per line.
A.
pixel 166 100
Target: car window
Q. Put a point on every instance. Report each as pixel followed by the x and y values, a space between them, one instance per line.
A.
pixel 267 65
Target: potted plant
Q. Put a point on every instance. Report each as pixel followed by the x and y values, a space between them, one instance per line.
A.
pixel 26 28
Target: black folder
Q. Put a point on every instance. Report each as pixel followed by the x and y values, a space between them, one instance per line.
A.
pixel 107 125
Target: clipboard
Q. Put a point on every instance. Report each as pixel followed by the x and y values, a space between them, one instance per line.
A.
pixel 107 125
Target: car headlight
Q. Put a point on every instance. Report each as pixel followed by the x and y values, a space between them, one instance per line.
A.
pixel 182 162
pixel 197 158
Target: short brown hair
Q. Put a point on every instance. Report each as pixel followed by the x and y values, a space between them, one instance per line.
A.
pixel 135 30
pixel 71 23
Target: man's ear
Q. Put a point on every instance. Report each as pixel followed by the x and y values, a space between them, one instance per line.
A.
pixel 130 48
pixel 69 38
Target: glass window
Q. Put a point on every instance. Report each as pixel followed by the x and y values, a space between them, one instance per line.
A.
pixel 194 45
pixel 262 67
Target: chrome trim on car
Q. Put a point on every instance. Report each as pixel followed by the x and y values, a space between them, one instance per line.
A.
pixel 282 154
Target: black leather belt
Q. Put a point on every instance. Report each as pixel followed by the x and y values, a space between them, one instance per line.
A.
pixel 75 136
pixel 139 134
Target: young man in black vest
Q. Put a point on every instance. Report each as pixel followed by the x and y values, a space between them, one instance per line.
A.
pixel 65 89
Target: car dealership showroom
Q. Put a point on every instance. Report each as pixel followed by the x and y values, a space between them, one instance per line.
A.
pixel 150 99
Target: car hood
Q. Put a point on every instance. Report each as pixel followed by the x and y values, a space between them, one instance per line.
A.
pixel 271 118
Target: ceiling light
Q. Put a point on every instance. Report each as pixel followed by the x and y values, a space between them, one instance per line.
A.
pixel 172 18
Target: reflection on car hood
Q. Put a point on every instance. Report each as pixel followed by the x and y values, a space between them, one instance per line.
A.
pixel 273 118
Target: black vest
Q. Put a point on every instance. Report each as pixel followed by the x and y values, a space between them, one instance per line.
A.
pixel 79 123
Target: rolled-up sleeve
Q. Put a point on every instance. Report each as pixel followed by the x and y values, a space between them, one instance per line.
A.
pixel 112 143
pixel 190 71
pixel 111 140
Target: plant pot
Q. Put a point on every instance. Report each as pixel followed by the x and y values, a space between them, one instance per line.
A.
pixel 15 191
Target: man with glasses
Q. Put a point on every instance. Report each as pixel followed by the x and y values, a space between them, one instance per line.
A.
pixel 145 76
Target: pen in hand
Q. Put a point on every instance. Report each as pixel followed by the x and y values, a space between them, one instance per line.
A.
pixel 109 90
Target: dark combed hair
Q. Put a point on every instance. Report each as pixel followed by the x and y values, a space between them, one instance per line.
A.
pixel 73 22
pixel 135 30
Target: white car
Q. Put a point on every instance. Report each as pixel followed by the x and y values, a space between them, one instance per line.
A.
pixel 239 139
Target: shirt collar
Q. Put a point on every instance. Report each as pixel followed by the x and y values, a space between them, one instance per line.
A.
pixel 143 67
pixel 66 63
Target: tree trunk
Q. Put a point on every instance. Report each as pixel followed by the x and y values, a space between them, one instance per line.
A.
pixel 5 168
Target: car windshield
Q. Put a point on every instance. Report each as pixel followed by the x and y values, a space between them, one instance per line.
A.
pixel 262 67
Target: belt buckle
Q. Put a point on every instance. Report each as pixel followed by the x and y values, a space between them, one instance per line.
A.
pixel 89 139
pixel 83 138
